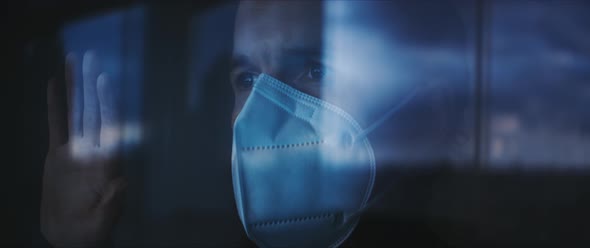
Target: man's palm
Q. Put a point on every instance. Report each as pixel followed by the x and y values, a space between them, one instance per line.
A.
pixel 82 188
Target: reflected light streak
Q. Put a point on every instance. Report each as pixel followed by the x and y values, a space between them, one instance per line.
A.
pixel 112 139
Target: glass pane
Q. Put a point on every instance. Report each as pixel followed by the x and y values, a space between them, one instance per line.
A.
pixel 410 65
pixel 539 90
pixel 115 40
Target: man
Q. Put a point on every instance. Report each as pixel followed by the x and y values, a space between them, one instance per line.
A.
pixel 346 56
pixel 330 98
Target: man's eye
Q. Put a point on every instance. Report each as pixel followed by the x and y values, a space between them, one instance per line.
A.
pixel 315 72
pixel 245 80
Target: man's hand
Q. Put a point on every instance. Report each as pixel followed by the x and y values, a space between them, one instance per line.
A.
pixel 82 187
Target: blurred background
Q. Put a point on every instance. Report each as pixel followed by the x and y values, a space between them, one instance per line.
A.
pixel 524 177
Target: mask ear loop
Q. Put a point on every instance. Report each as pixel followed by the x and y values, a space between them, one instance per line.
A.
pixel 368 130
pixel 387 115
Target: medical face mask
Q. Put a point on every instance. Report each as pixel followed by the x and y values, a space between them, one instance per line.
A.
pixel 303 169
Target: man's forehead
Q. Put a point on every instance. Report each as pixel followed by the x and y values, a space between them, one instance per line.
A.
pixel 278 25
pixel 279 7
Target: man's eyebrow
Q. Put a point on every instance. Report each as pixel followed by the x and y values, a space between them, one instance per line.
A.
pixel 304 51
pixel 243 61
pixel 240 60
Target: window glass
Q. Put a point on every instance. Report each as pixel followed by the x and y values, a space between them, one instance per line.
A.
pixel 539 85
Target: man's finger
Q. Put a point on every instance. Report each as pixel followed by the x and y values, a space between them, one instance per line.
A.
pixel 110 132
pixel 74 100
pixel 56 114
pixel 91 112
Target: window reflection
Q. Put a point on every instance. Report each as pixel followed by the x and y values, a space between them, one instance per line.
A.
pixel 540 67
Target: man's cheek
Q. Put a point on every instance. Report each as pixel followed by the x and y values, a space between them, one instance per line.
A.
pixel 238 105
pixel 239 101
pixel 234 116
pixel 313 89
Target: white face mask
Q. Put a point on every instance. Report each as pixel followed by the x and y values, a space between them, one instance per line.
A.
pixel 302 168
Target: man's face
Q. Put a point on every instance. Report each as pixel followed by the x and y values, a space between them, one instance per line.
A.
pixel 347 53
pixel 279 38
pixel 324 49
